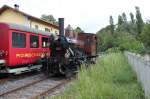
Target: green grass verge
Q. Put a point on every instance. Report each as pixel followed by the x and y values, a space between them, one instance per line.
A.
pixel 110 78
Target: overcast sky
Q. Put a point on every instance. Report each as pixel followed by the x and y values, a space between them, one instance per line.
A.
pixel 90 15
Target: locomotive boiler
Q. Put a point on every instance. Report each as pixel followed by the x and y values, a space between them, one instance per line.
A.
pixel 68 54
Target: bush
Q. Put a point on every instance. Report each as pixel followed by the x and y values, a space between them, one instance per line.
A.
pixel 145 38
pixel 113 50
pixel 126 41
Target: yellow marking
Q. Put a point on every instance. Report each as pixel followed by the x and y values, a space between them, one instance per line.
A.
pixel 29 55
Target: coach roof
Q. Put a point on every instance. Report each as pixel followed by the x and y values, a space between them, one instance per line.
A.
pixel 25 28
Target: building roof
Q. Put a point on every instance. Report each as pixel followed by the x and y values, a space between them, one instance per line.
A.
pixel 90 34
pixel 5 7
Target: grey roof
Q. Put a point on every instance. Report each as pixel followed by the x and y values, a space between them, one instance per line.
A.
pixel 27 29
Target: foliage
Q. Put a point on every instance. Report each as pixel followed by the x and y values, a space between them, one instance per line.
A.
pixel 145 37
pixel 126 34
pixel 120 20
pixel 132 18
pixel 113 50
pixel 111 24
pixel 126 41
pixel 110 78
pixel 139 21
pixel 124 17
pixel 105 39
pixel 78 30
pixel 49 18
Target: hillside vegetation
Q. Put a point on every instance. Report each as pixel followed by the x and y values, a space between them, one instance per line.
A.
pixel 110 78
pixel 127 34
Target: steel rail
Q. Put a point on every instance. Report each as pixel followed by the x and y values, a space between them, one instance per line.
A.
pixel 4 80
pixel 51 90
pixel 19 88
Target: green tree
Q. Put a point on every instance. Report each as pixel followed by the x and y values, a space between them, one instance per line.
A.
pixel 139 21
pixel 126 41
pixel 78 30
pixel 122 23
pixel 132 25
pixel 105 39
pixel 145 37
pixel 132 18
pixel 49 18
pixel 123 37
pixel 120 20
pixel 111 21
pixel 124 17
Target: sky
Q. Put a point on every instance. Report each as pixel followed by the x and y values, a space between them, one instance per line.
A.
pixel 89 15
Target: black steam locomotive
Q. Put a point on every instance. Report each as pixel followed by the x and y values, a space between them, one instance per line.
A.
pixel 66 57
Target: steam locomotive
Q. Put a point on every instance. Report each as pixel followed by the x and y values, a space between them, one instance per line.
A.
pixel 67 55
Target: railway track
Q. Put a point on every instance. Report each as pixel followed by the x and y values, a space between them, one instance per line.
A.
pixel 17 77
pixel 34 90
pixel 51 90
pixel 3 80
pixel 19 88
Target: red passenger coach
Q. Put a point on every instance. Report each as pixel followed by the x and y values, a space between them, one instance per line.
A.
pixel 21 48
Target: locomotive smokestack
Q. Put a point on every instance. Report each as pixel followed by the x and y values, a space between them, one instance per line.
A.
pixel 61 26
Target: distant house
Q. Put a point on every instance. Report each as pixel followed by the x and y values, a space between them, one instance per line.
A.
pixel 14 15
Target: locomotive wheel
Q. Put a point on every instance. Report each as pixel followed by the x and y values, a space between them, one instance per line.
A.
pixel 62 69
pixel 68 74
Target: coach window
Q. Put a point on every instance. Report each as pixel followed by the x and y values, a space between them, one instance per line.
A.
pixel 18 40
pixel 45 43
pixel 34 41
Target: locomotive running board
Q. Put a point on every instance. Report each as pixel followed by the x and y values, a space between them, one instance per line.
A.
pixel 23 69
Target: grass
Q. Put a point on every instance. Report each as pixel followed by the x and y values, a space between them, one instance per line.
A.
pixel 110 78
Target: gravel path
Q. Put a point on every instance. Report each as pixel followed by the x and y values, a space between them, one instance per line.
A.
pixel 10 85
pixel 32 91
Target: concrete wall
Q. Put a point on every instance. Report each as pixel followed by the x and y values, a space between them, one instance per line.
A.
pixel 141 65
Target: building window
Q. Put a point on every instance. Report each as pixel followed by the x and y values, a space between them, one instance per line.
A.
pixel 36 27
pixel 47 30
pixel 56 32
pixel 45 42
pixel 34 41
pixel 18 40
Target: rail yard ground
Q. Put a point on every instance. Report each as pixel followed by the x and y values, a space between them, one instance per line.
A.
pixel 110 78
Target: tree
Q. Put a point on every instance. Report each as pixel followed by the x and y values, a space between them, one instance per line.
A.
pixel 139 21
pixel 120 20
pixel 78 30
pixel 122 23
pixel 106 39
pixel 49 18
pixel 132 18
pixel 145 37
pixel 111 21
pixel 124 17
